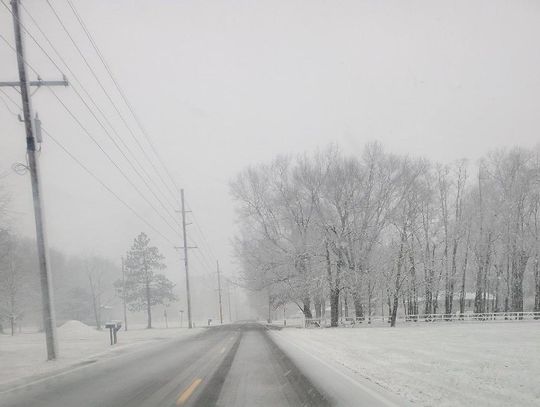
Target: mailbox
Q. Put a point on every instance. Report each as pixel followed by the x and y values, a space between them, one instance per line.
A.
pixel 114 327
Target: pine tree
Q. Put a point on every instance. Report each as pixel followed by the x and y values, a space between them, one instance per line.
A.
pixel 144 287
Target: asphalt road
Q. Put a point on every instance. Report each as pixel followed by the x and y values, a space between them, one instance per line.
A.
pixel 230 365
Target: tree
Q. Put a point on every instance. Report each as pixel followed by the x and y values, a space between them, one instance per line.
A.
pixel 144 287
pixel 332 227
pixel 97 271
pixel 11 282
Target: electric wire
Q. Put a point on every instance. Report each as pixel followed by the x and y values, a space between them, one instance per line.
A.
pixel 128 104
pixel 88 107
pixel 111 160
pixel 126 101
pixel 110 190
pixel 6 95
pixel 92 71
pixel 204 260
pixel 93 114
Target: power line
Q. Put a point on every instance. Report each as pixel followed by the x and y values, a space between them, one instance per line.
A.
pixel 124 144
pixel 85 168
pixel 203 236
pixel 126 101
pixel 6 95
pixel 10 98
pixel 103 127
pixel 15 50
pixel 128 104
pixel 95 141
pixel 90 110
pixel 30 34
pixel 83 25
pixel 111 160
pixel 92 71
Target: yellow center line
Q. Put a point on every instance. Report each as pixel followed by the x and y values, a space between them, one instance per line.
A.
pixel 188 392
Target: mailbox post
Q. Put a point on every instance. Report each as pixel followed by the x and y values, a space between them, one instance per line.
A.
pixel 114 327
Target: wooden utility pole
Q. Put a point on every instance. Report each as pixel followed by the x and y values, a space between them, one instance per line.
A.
pixel 229 299
pixel 186 263
pixel 219 293
pixel 124 293
pixel 49 320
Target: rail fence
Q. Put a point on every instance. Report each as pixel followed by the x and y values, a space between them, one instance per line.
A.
pixel 466 317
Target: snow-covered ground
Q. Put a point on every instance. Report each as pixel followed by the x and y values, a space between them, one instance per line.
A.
pixel 24 354
pixel 473 364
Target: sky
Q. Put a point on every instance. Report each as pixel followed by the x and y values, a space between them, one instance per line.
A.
pixel 220 85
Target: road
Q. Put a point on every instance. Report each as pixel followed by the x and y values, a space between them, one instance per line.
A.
pixel 229 365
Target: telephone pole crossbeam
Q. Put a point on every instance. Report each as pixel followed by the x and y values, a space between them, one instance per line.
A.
pixel 37 83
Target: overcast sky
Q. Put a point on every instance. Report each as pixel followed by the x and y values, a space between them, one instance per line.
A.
pixel 220 85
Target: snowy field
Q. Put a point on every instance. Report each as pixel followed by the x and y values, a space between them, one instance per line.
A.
pixel 24 354
pixel 473 364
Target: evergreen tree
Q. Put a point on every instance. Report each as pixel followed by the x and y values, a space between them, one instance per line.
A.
pixel 144 287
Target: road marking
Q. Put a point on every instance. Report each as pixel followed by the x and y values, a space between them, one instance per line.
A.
pixel 222 350
pixel 188 392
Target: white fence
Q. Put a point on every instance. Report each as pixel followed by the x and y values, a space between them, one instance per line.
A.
pixel 470 316
pixel 467 317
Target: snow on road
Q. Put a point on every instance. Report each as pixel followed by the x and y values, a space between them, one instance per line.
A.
pixel 473 364
pixel 24 355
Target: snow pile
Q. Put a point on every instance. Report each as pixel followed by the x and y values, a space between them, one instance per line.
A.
pixel 76 329
pixel 476 364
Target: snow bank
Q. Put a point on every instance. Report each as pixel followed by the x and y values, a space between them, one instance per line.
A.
pixel 438 365
pixel 78 330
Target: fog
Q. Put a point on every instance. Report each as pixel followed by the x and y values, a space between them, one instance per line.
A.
pixel 223 85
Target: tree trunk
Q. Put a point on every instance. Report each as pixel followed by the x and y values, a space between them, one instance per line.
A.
pixel 449 295
pixel 318 310
pixel 96 308
pixel 478 297
pixel 334 289
pixel 536 285
pixel 463 279
pixel 398 280
pixel 346 303
pixel 358 307
pixel 394 310
pixel 148 306
pixel 334 305
pixel 307 308
pixel 518 270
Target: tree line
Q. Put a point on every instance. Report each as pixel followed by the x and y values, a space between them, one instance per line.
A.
pixel 86 288
pixel 383 230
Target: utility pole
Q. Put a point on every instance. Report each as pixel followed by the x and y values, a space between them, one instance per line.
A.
pixel 186 263
pixel 229 299
pixel 219 291
pixel 124 293
pixel 49 320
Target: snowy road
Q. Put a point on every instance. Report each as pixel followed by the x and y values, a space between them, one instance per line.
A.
pixel 231 365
